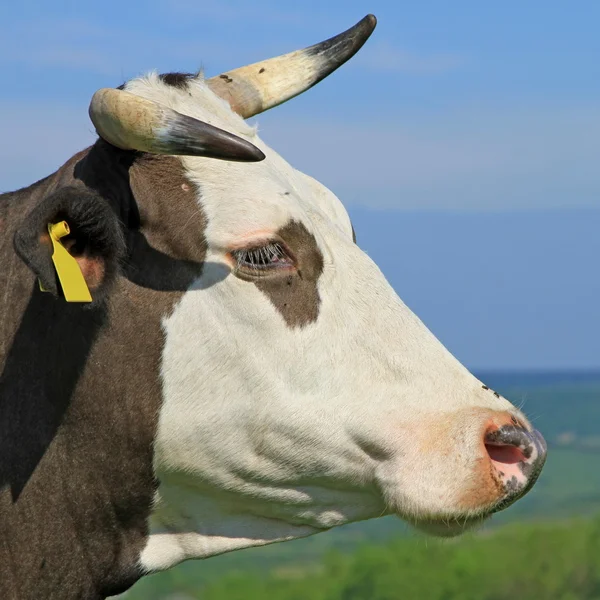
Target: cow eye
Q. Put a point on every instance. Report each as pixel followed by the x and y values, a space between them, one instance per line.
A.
pixel 260 259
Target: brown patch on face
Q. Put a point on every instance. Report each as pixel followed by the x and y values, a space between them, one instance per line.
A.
pixel 80 388
pixel 177 80
pixel 167 249
pixel 295 295
pixel 168 209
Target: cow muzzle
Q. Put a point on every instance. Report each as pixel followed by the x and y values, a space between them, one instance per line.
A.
pixel 517 456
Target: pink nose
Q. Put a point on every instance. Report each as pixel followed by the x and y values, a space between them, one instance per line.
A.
pixel 517 455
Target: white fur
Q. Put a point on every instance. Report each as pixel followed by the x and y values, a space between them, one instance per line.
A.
pixel 270 433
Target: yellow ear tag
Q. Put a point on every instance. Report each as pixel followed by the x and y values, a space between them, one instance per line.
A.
pixel 69 274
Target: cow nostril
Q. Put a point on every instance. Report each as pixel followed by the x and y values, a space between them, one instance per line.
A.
pixel 504 453
pixel 508 445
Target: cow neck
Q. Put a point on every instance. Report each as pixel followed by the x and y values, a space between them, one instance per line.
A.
pixel 78 417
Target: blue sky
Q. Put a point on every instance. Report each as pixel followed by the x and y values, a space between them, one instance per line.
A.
pixel 464 139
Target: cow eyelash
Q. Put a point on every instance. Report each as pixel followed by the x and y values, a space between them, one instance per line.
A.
pixel 261 258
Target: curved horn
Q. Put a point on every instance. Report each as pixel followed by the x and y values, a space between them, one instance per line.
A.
pixel 134 123
pixel 255 88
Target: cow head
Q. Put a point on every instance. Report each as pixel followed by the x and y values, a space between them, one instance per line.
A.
pixel 298 392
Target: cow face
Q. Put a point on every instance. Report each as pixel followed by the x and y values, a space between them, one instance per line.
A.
pixel 299 392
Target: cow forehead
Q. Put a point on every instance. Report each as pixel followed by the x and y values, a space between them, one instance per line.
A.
pixel 242 199
pixel 195 100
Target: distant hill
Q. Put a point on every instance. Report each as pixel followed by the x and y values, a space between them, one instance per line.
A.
pixel 532 561
pixel 564 406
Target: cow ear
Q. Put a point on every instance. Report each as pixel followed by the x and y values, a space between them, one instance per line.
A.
pixel 95 239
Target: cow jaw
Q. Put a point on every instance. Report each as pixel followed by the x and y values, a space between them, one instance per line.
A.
pixel 189 522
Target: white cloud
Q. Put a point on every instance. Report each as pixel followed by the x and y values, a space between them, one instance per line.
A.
pixel 234 10
pixel 78 45
pixel 64 43
pixel 468 160
pixel 38 139
pixel 386 57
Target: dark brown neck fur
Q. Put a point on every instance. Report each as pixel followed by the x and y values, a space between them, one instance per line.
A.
pixel 79 387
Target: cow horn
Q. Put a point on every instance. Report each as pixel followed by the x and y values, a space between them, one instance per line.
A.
pixel 255 88
pixel 134 123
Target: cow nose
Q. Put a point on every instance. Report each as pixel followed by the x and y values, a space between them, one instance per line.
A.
pixel 517 456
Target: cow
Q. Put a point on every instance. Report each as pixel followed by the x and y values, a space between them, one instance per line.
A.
pixel 241 374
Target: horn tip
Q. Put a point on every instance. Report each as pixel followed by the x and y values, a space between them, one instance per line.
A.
pixel 255 154
pixel 371 20
pixel 366 25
